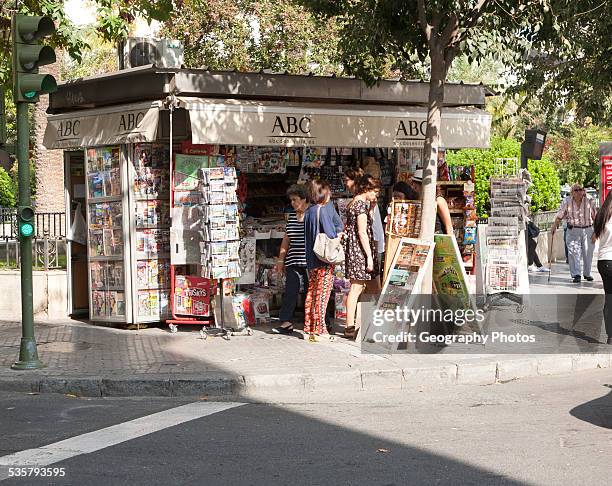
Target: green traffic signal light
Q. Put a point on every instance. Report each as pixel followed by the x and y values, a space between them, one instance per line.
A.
pixel 26 221
pixel 31 86
pixel 28 56
pixel 26 229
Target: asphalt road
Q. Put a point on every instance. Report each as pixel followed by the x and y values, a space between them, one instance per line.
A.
pixel 544 431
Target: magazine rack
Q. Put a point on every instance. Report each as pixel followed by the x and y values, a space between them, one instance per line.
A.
pixel 205 238
pixel 505 276
pixel 190 303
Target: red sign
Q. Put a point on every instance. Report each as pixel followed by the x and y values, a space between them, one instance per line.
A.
pixel 606 176
pixel 197 149
pixel 191 295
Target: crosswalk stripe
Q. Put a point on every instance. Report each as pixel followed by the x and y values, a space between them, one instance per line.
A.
pixel 110 436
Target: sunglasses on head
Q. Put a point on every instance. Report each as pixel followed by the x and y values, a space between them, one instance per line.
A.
pixel 577 190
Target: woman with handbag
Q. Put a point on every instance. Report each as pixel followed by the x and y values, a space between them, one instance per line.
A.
pixel 361 257
pixel 323 228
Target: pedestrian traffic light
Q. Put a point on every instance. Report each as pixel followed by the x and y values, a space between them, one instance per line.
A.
pixel 26 221
pixel 29 55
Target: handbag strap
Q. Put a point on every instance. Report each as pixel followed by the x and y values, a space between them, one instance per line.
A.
pixel 318 213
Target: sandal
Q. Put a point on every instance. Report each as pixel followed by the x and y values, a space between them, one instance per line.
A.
pixel 350 332
pixel 283 329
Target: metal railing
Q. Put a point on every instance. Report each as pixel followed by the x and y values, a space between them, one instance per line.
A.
pixel 48 247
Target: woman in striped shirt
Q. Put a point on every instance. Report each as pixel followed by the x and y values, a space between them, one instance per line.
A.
pixel 292 258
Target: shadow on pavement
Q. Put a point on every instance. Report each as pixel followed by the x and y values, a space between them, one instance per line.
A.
pixel 597 412
pixel 267 445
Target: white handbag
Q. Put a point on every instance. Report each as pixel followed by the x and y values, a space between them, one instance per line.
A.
pixel 328 250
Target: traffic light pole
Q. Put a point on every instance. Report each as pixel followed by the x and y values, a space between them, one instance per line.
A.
pixel 28 55
pixel 28 354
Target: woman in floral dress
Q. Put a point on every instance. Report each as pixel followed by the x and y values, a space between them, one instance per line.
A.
pixel 361 256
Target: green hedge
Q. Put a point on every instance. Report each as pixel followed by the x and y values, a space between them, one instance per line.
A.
pixel 545 192
pixel 7 190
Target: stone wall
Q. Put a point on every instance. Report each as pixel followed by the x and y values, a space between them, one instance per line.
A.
pixel 49 163
pixel 50 299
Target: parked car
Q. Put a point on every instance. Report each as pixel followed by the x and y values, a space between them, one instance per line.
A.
pixel 593 194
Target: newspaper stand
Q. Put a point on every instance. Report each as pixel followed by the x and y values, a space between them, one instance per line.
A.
pixel 505 279
pixel 204 238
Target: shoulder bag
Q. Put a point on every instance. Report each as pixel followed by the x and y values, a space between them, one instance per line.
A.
pixel 328 250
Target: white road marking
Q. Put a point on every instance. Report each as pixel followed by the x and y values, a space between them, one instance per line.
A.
pixel 110 436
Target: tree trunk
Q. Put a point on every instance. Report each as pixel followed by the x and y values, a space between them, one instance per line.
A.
pixel 430 152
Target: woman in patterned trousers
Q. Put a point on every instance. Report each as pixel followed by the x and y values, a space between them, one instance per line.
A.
pixel 320 217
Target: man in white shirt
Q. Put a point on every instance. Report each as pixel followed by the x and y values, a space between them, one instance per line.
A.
pixel 579 211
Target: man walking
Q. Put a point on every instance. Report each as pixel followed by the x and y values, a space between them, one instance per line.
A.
pixel 579 211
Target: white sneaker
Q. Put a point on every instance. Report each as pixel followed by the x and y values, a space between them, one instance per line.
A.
pixel 542 269
pixel 532 268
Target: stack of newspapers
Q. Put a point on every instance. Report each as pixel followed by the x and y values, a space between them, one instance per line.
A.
pixel 505 223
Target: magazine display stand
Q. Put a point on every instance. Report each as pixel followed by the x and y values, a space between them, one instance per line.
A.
pixel 190 296
pixel 107 234
pixel 403 283
pixel 148 175
pixel 505 259
pixel 403 220
pixel 204 239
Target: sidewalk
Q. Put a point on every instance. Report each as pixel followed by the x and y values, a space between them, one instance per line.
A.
pixel 87 360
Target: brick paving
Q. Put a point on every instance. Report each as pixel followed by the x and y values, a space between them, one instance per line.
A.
pixel 75 350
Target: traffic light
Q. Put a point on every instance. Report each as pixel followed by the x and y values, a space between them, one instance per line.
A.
pixel 29 55
pixel 26 221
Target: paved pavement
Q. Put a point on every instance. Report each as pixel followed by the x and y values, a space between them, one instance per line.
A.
pixel 536 432
pixel 89 360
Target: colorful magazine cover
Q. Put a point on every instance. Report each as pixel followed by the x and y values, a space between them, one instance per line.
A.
pixel 187 169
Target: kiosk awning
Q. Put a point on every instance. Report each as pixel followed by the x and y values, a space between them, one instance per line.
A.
pixel 106 126
pixel 243 122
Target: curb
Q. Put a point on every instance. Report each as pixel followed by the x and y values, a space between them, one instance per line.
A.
pixel 481 372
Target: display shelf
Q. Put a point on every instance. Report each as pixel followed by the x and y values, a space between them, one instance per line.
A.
pixel 163 197
pixel 158 256
pixel 109 289
pixel 98 227
pixel 105 199
pixel 152 226
pixel 451 183
pixel 114 258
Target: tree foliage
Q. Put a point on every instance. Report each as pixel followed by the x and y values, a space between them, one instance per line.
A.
pixel 7 190
pixel 546 190
pixel 250 35
pixel 113 20
pixel 101 57
pixel 575 151
pixel 569 62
